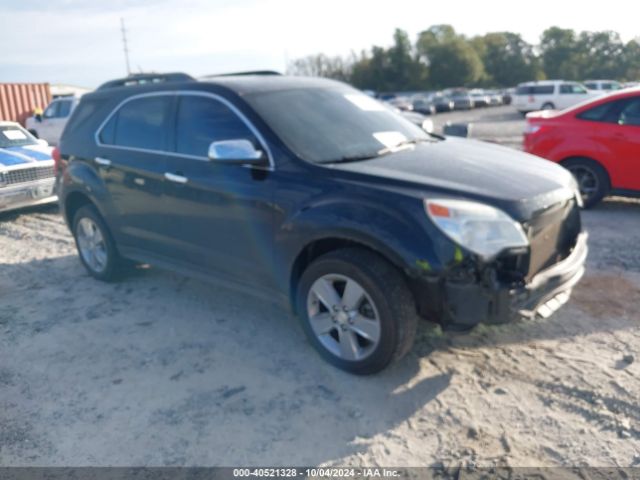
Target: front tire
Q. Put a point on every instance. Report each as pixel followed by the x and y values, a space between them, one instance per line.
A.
pixel 356 310
pixel 96 247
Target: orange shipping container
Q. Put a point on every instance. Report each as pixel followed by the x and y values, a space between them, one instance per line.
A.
pixel 19 100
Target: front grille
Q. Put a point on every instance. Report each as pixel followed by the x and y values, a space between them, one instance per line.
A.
pixel 552 235
pixel 24 175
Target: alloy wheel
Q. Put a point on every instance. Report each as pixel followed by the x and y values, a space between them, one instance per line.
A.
pixel 92 245
pixel 343 317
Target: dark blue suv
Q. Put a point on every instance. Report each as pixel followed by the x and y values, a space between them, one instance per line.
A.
pixel 308 191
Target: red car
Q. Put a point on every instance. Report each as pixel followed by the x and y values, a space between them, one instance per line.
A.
pixel 598 141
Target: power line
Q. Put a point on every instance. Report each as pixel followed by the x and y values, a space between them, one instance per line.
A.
pixel 124 44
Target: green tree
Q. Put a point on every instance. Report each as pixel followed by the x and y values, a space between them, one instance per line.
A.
pixel 451 59
pixel 395 68
pixel 600 55
pixel 632 60
pixel 407 72
pixel 507 58
pixel 560 53
pixel 321 65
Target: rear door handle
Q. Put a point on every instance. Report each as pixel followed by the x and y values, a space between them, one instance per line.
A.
pixel 172 177
pixel 105 162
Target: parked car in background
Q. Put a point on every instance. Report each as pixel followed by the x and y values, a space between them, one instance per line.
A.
pixel 462 101
pixel 598 141
pixel 507 95
pixel 424 105
pixel 26 169
pixel 606 85
pixel 361 222
pixel 495 98
pixel 550 95
pixel 50 124
pixel 442 103
pixel 418 119
pixel 402 103
pixel 480 98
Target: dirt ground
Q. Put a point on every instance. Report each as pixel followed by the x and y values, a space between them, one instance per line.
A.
pixel 161 369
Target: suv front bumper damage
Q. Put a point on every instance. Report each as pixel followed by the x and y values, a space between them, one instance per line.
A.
pixel 468 304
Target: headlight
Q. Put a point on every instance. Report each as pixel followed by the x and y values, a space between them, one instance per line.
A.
pixel 479 228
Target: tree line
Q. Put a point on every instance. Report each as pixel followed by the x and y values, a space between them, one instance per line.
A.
pixel 441 57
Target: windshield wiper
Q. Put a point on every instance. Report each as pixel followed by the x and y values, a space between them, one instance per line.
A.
pixel 399 146
pixel 351 158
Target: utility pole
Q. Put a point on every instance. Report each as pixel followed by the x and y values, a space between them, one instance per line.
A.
pixel 124 44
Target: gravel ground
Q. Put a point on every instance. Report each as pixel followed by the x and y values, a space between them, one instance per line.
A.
pixel 161 369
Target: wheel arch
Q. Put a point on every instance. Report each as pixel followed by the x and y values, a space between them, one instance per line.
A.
pixel 320 246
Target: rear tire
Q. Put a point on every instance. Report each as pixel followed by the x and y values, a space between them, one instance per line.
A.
pixel 548 106
pixel 95 245
pixel 363 332
pixel 593 179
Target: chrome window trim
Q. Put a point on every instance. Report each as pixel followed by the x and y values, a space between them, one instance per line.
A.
pixel 216 97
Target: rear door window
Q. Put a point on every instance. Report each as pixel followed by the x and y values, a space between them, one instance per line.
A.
pixel 623 112
pixel 140 123
pixel 630 114
pixel 201 121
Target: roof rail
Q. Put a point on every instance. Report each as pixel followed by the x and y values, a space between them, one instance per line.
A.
pixel 251 72
pixel 144 78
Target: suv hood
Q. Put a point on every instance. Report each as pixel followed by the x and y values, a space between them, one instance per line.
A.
pixel 518 183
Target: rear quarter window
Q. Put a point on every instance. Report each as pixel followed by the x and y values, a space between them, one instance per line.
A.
pixel 139 123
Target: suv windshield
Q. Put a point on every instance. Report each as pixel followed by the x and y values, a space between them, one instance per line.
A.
pixel 15 136
pixel 331 125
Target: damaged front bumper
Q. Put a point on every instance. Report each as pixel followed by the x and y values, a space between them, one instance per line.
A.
pixel 467 304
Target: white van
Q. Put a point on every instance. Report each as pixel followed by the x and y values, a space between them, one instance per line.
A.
pixel 550 95
pixel 50 124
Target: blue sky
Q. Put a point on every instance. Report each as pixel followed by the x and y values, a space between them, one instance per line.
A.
pixel 79 42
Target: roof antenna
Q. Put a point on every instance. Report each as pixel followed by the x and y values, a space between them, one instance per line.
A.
pixel 125 46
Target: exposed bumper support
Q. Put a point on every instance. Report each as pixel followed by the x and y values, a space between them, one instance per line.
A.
pixel 466 305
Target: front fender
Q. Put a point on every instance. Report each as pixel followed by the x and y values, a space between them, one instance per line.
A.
pixel 401 233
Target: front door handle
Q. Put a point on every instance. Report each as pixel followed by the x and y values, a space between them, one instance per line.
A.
pixel 172 177
pixel 105 162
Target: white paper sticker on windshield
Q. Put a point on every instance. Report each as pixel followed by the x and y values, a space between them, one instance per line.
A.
pixel 363 102
pixel 14 134
pixel 389 139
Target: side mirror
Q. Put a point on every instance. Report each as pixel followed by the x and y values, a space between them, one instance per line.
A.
pixel 239 151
